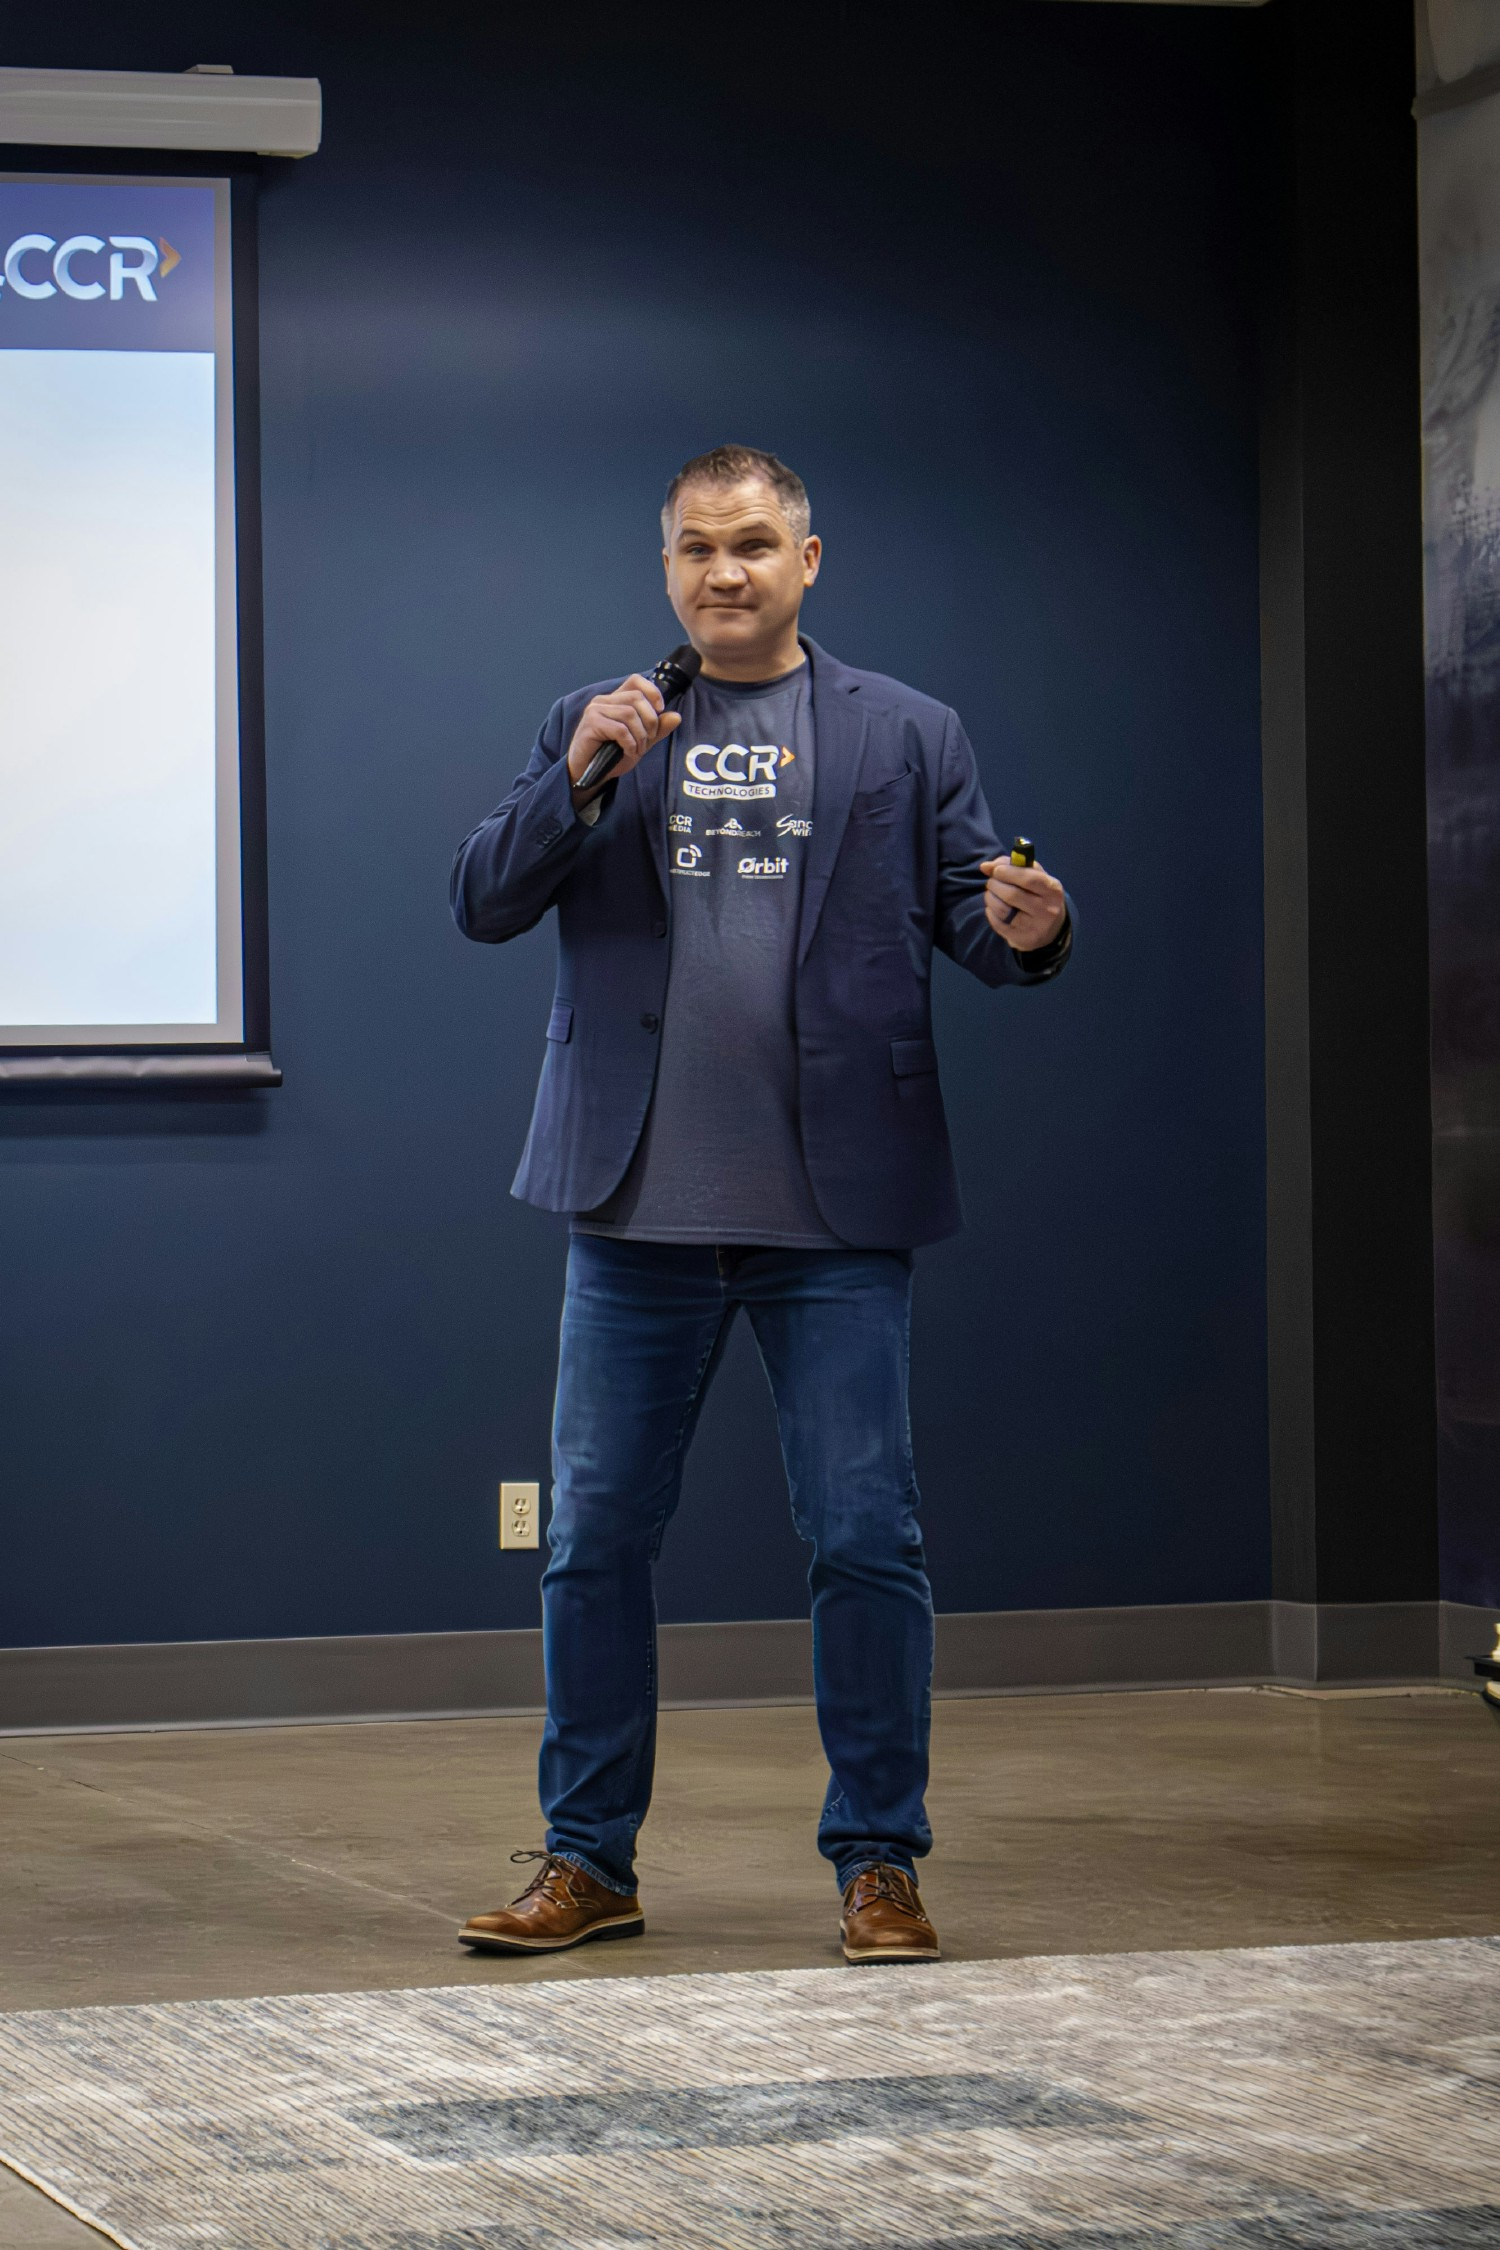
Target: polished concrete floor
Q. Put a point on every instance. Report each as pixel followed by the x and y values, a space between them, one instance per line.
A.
pixel 300 1859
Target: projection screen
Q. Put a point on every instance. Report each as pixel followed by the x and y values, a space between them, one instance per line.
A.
pixel 120 863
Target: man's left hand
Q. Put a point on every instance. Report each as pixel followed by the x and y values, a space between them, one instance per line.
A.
pixel 1036 896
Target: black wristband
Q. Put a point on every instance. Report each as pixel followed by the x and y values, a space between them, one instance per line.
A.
pixel 1045 956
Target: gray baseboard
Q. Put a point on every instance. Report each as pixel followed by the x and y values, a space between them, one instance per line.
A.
pixel 985 1652
pixel 981 1652
pixel 220 1683
pixel 1464 1632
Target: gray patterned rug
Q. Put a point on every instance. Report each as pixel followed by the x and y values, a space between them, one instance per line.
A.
pixel 1323 2098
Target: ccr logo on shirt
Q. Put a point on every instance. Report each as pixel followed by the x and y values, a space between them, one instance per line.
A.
pixel 737 770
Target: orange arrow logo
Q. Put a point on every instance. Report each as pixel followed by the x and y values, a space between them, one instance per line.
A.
pixel 169 258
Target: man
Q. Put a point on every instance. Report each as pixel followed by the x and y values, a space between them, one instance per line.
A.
pixel 740 1107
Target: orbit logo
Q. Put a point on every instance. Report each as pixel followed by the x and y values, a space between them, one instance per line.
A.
pixel 86 267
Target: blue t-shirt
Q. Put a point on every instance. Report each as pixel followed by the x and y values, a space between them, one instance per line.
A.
pixel 720 1159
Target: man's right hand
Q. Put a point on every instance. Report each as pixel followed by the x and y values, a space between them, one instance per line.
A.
pixel 633 715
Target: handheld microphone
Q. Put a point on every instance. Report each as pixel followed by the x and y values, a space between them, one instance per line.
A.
pixel 674 676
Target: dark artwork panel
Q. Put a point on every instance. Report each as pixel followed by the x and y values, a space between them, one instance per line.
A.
pixel 1460 159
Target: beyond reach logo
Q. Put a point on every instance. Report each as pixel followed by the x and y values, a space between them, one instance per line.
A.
pixel 86 267
pixel 738 770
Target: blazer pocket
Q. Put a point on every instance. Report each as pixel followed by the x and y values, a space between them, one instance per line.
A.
pixel 909 1056
pixel 884 793
pixel 560 1022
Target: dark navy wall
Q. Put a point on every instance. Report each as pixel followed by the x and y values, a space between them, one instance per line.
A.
pixel 265 1358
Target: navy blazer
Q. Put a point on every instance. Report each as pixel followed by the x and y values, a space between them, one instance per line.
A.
pixel 899 828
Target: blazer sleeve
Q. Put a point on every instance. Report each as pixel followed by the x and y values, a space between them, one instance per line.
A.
pixel 965 836
pixel 510 868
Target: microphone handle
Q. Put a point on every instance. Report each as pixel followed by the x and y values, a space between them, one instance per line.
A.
pixel 669 675
pixel 601 765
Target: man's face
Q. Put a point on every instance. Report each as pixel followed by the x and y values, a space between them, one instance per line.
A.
pixel 735 574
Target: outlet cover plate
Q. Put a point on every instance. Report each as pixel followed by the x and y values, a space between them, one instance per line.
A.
pixel 520 1515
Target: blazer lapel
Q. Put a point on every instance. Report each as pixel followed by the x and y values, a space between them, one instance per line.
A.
pixel 839 727
pixel 650 779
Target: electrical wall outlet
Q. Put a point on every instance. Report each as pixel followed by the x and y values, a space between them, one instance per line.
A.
pixel 520 1515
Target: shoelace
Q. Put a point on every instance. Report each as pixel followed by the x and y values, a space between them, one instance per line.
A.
pixel 554 1878
pixel 888 1883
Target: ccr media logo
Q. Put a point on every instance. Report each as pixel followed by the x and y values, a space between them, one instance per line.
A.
pixel 86 267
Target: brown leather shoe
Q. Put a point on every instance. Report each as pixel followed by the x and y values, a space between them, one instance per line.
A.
pixel 884 1921
pixel 562 1905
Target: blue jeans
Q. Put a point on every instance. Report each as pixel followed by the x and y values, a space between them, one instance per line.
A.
pixel 644 1326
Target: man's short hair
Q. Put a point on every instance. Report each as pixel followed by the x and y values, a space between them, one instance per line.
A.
pixel 732 464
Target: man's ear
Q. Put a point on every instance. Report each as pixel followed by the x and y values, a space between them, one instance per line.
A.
pixel 812 556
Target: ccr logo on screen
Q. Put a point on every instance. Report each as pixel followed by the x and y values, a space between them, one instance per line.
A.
pixel 86 267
